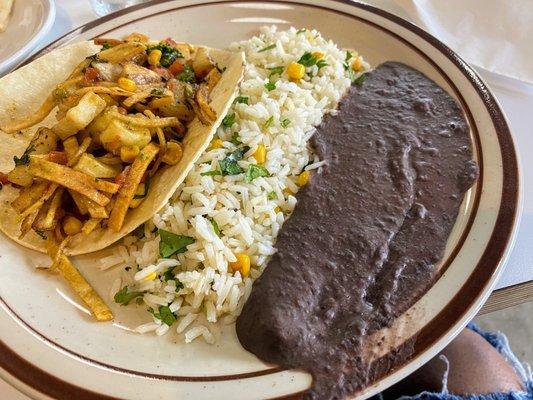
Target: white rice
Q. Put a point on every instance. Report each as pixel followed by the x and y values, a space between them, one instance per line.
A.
pixel 204 290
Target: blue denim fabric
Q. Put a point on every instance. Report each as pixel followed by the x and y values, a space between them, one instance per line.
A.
pixel 499 342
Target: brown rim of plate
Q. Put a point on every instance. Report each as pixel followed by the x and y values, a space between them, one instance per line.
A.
pixel 454 311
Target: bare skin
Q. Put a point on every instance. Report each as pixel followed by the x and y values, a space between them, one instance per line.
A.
pixel 475 368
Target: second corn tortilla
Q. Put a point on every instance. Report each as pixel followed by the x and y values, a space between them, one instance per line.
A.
pixel 23 91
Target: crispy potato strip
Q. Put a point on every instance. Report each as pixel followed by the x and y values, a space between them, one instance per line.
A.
pixel 71 179
pixel 29 195
pixel 78 283
pixel 127 190
pixel 148 123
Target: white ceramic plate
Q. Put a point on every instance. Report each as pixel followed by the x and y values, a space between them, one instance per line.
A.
pixel 50 347
pixel 30 20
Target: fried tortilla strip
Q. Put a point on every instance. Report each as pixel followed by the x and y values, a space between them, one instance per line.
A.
pixel 87 206
pixel 49 220
pixel 127 190
pixel 90 225
pixel 78 283
pixel 148 123
pixel 106 186
pixel 69 178
pixel 28 221
pixel 29 195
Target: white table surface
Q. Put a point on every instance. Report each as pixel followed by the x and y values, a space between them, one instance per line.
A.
pixel 515 98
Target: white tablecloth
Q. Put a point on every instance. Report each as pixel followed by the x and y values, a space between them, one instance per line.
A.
pixel 515 97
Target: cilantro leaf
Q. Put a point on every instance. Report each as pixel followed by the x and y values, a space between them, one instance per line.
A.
pixel 215 226
pixel 269 47
pixel 124 297
pixel 25 158
pixel 300 31
pixel 285 122
pixel 166 315
pixel 41 234
pixel 276 70
pixel 168 54
pixel 241 99
pixel 106 46
pixel 229 120
pixel 169 274
pixel 268 122
pixel 211 173
pixel 359 80
pixel 307 59
pixel 171 243
pixel 272 195
pixel 229 165
pixel 187 75
pixel 179 285
pixel 255 171
pixel 146 188
pixel 270 86
pixel 235 139
pixel 321 64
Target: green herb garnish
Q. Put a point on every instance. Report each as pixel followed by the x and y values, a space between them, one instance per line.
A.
pixel 171 243
pixel 272 195
pixel 179 284
pixel 268 122
pixel 158 92
pixel 169 274
pixel 359 80
pixel 285 122
pixel 229 165
pixel 276 70
pixel 168 54
pixel 255 171
pixel 321 64
pixel 25 158
pixel 187 75
pixel 124 297
pixel 164 315
pixel 269 47
pixel 106 46
pixel 270 86
pixel 138 232
pixel 229 120
pixel 146 188
pixel 300 31
pixel 241 99
pixel 215 226
pixel 235 139
pixel 307 59
pixel 211 173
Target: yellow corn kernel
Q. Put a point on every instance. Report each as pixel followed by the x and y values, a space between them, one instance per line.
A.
pixel 357 64
pixel 303 178
pixel 162 102
pixel 154 57
pixel 149 277
pixel 128 154
pixel 242 264
pixel 216 143
pixel 173 153
pixel 277 210
pixel 260 154
pixel 295 71
pixel 318 55
pixel 72 225
pixel 127 84
pixel 287 191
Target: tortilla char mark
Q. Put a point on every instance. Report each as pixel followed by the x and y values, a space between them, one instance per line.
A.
pixel 368 231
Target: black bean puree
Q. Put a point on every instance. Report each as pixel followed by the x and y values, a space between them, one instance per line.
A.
pixel 364 239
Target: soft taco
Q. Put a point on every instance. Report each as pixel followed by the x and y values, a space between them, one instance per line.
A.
pixel 97 136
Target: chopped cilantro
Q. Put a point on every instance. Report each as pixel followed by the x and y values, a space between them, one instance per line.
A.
pixel 124 297
pixel 229 120
pixel 241 99
pixel 41 234
pixel 146 188
pixel 321 64
pixel 164 315
pixel 158 92
pixel 169 274
pixel 215 226
pixel 270 86
pixel 106 46
pixel 276 70
pixel 211 173
pixel 285 122
pixel 269 47
pixel 235 139
pixel 229 165
pixel 25 158
pixel 307 59
pixel 359 80
pixel 255 171
pixel 168 54
pixel 59 94
pixel 171 243
pixel 272 195
pixel 268 122
pixel 139 300
pixel 187 75
pixel 179 284
pixel 348 57
pixel 300 31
